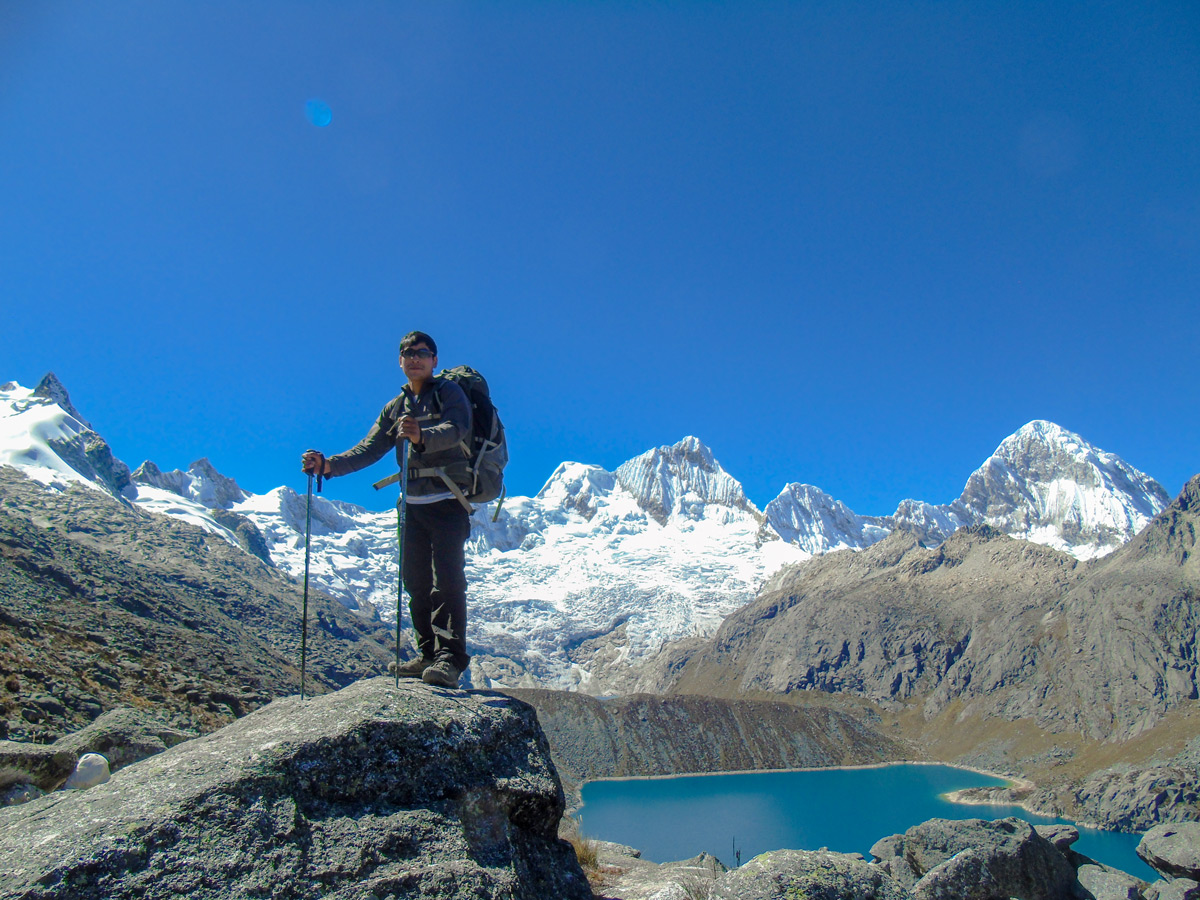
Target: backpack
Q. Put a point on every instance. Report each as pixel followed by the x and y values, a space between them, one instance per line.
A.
pixel 482 476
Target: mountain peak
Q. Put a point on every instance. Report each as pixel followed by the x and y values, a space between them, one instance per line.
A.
pixel 50 388
pixel 44 436
pixel 805 515
pixel 1050 485
pixel 578 487
pixel 201 482
pixel 680 480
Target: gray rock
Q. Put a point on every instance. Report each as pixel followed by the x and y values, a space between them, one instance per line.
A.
pixel 123 736
pixel 248 535
pixel 1139 799
pixel 46 766
pixel 15 794
pixel 372 791
pixel 1172 850
pixel 1179 889
pixel 977 859
pixel 1061 836
pixel 1104 883
pixel 810 874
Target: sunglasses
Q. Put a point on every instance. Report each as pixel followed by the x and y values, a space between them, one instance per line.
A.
pixel 419 353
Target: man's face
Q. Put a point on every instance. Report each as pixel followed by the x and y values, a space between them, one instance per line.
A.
pixel 418 362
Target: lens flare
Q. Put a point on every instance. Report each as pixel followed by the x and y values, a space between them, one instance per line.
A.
pixel 318 112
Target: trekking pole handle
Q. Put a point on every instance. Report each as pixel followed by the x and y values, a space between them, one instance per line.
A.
pixel 320 469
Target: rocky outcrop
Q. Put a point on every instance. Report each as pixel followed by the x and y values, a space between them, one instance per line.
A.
pixel 372 791
pixel 123 736
pixel 1179 889
pixel 1138 799
pixel 1128 798
pixel 813 875
pixel 1172 850
pixel 37 764
pixel 936 860
pixel 248 536
pixel 620 872
pixel 974 859
pixel 1106 883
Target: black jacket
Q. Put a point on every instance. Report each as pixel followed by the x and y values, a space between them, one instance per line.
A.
pixel 444 414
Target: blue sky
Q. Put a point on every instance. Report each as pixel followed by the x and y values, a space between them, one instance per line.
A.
pixel 849 244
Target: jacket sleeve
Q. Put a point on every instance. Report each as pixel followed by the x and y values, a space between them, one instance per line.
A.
pixel 455 424
pixel 379 440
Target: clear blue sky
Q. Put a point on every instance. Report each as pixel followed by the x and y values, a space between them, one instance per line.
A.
pixel 850 244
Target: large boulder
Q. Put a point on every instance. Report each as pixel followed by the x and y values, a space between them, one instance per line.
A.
pixel 45 766
pixel 373 791
pixel 812 874
pixel 1172 850
pixel 1106 883
pixel 1177 889
pixel 123 736
pixel 973 859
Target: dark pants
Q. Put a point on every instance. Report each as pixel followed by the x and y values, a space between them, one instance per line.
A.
pixel 435 578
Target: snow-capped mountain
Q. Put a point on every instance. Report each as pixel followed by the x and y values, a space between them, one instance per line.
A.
pixel 43 435
pixel 682 481
pixel 599 568
pixel 809 517
pixel 1050 486
pixel 1043 484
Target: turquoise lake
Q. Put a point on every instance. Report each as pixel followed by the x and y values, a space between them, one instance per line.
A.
pixel 843 809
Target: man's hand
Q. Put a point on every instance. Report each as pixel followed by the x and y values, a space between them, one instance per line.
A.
pixel 410 429
pixel 313 462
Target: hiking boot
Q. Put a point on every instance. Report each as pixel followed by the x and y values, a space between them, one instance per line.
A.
pixel 414 668
pixel 441 673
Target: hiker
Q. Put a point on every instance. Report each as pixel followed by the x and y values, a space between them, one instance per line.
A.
pixel 434 415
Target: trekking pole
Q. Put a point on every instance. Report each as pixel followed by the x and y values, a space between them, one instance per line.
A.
pixel 307 555
pixel 401 513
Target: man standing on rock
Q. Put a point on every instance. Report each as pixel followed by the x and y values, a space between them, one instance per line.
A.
pixel 434 416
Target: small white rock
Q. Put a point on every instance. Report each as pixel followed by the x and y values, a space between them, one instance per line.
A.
pixel 91 770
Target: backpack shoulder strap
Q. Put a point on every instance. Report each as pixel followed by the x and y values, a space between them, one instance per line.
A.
pixel 438 381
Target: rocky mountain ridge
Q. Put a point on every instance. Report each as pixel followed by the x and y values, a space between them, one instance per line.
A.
pixel 991 625
pixel 647 734
pixel 106 605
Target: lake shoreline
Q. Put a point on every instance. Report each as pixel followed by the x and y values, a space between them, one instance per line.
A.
pixel 1012 780
pixel 1014 784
